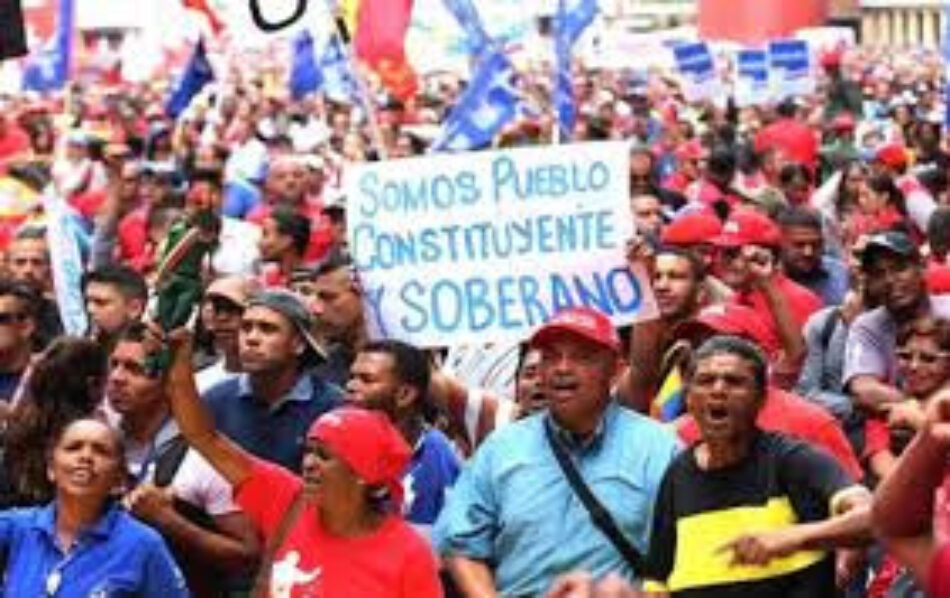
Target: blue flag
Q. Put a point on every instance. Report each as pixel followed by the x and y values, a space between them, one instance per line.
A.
pixel 338 81
pixel 49 68
pixel 488 103
pixel 197 74
pixel 573 17
pixel 476 39
pixel 305 75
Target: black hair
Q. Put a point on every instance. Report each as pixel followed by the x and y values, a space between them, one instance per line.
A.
pixel 127 281
pixel 31 233
pixel 212 176
pixel 294 225
pixel 61 388
pixel 792 172
pixel 135 332
pixel 938 231
pixel 332 264
pixel 799 217
pixel 934 180
pixel 884 183
pixel 28 297
pixel 741 348
pixel 410 363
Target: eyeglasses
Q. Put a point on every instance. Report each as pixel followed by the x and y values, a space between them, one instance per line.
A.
pixel 924 357
pixel 11 317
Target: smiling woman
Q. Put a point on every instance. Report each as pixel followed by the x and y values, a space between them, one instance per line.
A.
pixel 83 543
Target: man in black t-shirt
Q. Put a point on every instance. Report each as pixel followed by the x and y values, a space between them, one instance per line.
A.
pixel 746 512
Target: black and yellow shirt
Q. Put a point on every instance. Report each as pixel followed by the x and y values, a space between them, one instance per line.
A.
pixel 781 483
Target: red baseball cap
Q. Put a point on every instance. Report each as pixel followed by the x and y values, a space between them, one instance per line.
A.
pixel 893 155
pixel 843 122
pixel 691 150
pixel 731 318
pixel 585 322
pixel 747 226
pixel 368 443
pixel 692 228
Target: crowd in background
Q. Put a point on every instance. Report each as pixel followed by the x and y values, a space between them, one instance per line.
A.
pixel 798 365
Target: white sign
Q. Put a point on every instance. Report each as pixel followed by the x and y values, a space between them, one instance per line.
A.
pixel 752 77
pixel 485 247
pixel 790 68
pixel 697 72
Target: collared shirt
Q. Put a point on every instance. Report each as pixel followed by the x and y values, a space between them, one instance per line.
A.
pixel 512 506
pixel 830 282
pixel 116 556
pixel 272 431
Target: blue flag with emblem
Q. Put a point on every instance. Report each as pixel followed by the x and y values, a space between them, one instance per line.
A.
pixel 48 69
pixel 476 39
pixel 197 74
pixel 338 82
pixel 489 102
pixel 305 75
pixel 573 17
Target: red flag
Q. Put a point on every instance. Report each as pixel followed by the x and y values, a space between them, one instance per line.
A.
pixel 379 41
pixel 217 26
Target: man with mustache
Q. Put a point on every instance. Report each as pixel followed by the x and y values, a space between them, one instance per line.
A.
pixel 513 521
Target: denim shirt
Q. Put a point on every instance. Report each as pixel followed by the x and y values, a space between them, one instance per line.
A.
pixel 513 509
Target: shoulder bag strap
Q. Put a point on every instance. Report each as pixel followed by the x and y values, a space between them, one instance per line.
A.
pixel 598 513
pixel 262 581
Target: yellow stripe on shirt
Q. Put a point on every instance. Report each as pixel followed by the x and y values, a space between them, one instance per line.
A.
pixel 698 537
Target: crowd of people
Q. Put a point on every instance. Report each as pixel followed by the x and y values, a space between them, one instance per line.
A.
pixel 780 428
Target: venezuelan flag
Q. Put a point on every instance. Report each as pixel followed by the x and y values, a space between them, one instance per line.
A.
pixel 378 30
pixel 670 402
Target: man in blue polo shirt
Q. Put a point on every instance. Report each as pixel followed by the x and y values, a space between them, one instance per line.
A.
pixel 513 522
pixel 393 377
pixel 269 407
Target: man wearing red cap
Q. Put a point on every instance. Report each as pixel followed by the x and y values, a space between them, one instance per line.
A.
pixel 514 522
pixel 748 262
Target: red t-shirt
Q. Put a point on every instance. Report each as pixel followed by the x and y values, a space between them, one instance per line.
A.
pixel 802 302
pixel 877 437
pixel 789 414
pixel 133 238
pixel 940 573
pixel 392 561
pixel 13 143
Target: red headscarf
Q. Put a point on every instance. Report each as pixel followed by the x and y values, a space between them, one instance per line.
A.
pixel 368 443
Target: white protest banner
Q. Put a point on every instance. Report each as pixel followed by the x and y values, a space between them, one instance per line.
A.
pixel 697 71
pixel 67 264
pixel 790 68
pixel 752 78
pixel 484 247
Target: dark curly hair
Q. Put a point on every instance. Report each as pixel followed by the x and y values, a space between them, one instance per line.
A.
pixel 64 385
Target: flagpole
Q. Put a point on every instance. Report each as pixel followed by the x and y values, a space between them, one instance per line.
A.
pixel 555 68
pixel 362 89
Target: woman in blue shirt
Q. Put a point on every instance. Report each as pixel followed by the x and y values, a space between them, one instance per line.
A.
pixel 84 543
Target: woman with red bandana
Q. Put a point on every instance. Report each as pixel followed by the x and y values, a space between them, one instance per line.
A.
pixel 337 531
